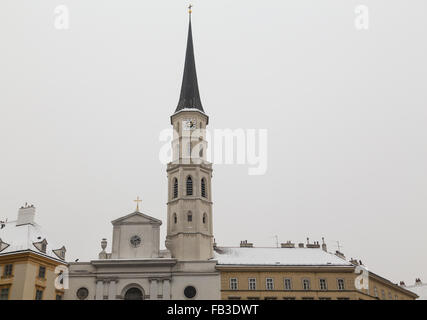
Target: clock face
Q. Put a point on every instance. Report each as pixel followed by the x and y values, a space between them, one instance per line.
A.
pixel 135 241
pixel 189 124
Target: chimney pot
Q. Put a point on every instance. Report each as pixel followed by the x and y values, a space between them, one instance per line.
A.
pixel 26 215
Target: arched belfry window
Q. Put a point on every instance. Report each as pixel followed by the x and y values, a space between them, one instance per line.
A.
pixel 204 218
pixel 203 187
pixel 175 219
pixel 175 187
pixel 189 186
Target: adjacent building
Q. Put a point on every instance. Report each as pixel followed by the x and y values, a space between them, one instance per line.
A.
pixel 303 272
pixel 31 263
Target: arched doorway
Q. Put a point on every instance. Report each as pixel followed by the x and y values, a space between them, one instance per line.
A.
pixel 134 294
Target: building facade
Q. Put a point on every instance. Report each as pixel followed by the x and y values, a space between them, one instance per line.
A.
pixel 31 265
pixel 136 268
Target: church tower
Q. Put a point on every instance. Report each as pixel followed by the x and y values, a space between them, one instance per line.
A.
pixel 189 224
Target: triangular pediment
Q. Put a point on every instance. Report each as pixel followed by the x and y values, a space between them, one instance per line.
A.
pixel 136 218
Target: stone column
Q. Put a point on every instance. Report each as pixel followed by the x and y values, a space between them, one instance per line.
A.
pixel 99 295
pixel 112 290
pixel 166 289
pixel 153 289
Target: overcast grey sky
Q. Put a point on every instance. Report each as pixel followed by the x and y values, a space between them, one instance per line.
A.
pixel 81 111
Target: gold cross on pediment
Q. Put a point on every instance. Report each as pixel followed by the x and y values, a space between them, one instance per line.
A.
pixel 138 201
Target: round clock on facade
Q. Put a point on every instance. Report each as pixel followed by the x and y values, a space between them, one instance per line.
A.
pixel 135 241
pixel 189 124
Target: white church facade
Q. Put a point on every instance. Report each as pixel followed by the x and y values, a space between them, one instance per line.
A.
pixel 136 268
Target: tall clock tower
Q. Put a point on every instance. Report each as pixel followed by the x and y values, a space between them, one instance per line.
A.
pixel 189 224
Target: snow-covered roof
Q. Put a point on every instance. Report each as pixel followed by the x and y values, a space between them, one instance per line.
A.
pixel 28 237
pixel 277 257
pixel 419 289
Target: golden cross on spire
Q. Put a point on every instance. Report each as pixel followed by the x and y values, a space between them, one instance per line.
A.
pixel 138 200
pixel 190 7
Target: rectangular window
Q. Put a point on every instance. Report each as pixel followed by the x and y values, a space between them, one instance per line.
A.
pixel 325 298
pixel 189 218
pixel 8 270
pixel 59 297
pixel 288 284
pixel 234 298
pixel 289 298
pixel 375 292
pixel 252 284
pixel 269 284
pixel 383 294
pixel 39 294
pixel 270 298
pixel 306 284
pixel 4 293
pixel 343 298
pixel 341 285
pixel 307 298
pixel 323 284
pixel 42 272
pixel 253 298
pixel 233 283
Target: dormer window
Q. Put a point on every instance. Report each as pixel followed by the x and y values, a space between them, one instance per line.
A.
pixel 60 253
pixel 41 246
pixel 3 245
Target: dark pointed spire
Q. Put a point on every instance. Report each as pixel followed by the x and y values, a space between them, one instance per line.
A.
pixel 190 97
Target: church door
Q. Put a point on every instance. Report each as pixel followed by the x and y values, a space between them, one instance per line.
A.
pixel 134 294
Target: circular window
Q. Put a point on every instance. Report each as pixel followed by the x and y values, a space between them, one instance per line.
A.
pixel 82 293
pixel 135 241
pixel 190 292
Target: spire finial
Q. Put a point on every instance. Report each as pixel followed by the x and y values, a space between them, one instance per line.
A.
pixel 190 9
pixel 138 201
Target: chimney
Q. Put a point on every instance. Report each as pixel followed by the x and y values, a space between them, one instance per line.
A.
pixel 418 282
pixel 288 244
pixel 324 247
pixel 246 244
pixel 402 283
pixel 26 215
pixel 315 244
